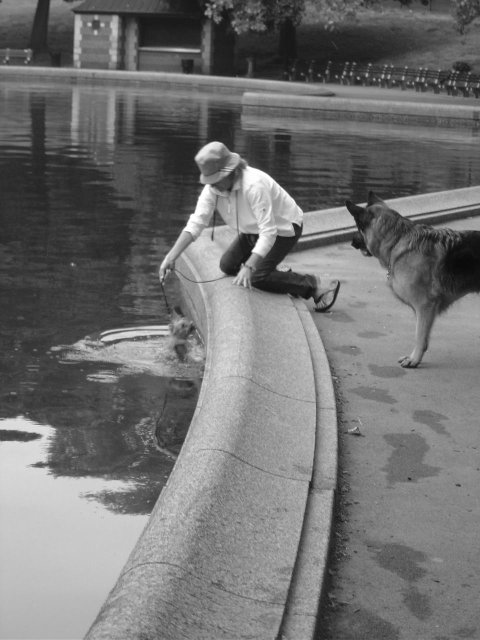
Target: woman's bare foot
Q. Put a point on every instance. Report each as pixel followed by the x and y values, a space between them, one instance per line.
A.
pixel 325 297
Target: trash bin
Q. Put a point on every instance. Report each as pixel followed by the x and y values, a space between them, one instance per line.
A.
pixel 187 65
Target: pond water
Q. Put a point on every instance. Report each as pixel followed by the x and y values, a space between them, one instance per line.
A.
pixel 95 184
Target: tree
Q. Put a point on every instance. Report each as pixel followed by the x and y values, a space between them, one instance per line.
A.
pixel 39 33
pixel 465 12
pixel 260 15
pixel 281 15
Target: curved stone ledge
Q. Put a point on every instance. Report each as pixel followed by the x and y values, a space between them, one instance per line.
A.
pixel 337 225
pixel 272 105
pixel 159 80
pixel 251 495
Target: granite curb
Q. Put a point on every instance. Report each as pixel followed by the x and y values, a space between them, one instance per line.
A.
pixel 239 537
pixel 361 109
pixel 238 542
pixel 308 584
pixel 328 226
pixel 158 79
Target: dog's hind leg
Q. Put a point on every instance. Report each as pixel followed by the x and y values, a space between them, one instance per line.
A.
pixel 426 315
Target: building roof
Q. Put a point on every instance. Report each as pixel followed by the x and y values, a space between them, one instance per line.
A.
pixel 141 7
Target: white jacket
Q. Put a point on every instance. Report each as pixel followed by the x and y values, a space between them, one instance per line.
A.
pixel 256 204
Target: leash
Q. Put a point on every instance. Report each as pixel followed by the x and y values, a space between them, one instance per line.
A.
pixel 169 309
pixel 199 281
pixel 167 305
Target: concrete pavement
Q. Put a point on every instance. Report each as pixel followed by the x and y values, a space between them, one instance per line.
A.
pixel 405 562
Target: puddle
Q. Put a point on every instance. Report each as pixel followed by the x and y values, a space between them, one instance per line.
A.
pixel 371 335
pixel 405 562
pixel 386 371
pixel 371 393
pixel 432 419
pixel 406 461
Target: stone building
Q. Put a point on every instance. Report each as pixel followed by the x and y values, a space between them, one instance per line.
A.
pixel 150 35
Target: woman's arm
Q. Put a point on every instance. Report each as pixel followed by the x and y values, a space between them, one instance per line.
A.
pixel 184 240
pixel 196 223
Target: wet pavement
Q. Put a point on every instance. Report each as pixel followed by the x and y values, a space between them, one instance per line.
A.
pixel 405 562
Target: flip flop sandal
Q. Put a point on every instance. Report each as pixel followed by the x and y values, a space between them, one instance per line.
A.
pixel 321 304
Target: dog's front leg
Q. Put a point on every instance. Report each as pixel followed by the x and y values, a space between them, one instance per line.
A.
pixel 425 318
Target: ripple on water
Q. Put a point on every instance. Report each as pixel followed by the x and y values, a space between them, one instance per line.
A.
pixel 152 355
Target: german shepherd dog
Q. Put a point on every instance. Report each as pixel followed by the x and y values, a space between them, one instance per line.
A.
pixel 427 269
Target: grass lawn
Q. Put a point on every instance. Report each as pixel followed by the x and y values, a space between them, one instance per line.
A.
pixel 393 35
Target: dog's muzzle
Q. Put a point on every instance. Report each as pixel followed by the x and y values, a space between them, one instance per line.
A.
pixel 359 243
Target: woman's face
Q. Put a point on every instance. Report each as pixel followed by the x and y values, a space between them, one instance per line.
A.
pixel 225 184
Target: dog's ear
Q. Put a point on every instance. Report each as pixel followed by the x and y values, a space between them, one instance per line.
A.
pixel 354 209
pixel 373 199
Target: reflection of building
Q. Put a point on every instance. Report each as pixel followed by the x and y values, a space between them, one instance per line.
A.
pixel 150 35
pixel 93 122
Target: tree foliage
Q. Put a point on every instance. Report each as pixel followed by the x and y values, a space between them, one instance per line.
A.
pixel 465 12
pixel 251 15
pixel 407 3
pixel 261 15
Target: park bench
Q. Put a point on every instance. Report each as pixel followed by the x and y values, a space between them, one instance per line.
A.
pixel 349 73
pixel 383 78
pixel 475 86
pixel 355 74
pixel 352 73
pixel 296 71
pixel 338 70
pixel 315 73
pixel 371 75
pixel 458 82
pixel 15 56
pixel 409 76
pixel 450 83
pixel 437 80
pixel 299 70
pixel 319 73
pixel 329 72
pixel 461 83
pixel 419 82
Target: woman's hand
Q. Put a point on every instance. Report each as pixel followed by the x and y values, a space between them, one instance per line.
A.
pixel 167 265
pixel 244 277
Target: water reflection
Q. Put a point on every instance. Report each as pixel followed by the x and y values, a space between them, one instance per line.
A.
pixel 60 555
pixel 106 422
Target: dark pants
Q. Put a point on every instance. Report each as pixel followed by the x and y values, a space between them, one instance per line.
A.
pixel 266 276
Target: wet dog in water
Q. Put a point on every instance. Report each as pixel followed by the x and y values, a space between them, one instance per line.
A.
pixel 180 329
pixel 427 268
